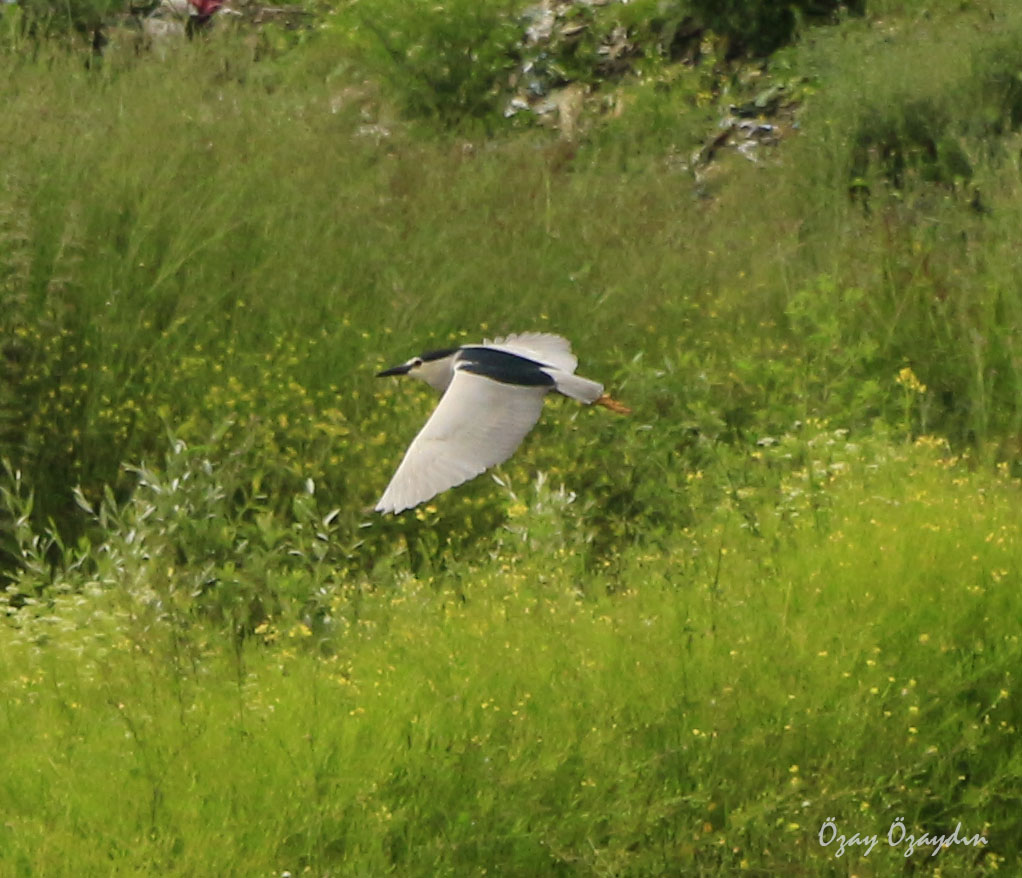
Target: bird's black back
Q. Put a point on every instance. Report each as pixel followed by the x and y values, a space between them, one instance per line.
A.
pixel 503 366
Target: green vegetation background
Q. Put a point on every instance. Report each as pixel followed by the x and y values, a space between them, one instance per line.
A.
pixel 785 590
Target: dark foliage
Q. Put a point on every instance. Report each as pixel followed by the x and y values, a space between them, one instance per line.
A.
pixel 761 26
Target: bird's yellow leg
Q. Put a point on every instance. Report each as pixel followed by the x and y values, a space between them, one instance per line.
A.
pixel 607 402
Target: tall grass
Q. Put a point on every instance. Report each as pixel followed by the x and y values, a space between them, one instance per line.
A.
pixel 175 227
pixel 675 642
pixel 836 644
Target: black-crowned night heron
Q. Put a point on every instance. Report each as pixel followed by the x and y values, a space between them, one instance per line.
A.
pixel 492 396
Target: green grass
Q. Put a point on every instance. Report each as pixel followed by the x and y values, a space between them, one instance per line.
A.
pixel 784 590
pixel 838 643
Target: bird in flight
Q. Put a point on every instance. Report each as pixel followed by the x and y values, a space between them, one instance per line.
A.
pixel 492 396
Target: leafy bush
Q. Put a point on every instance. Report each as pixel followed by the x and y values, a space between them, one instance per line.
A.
pixel 442 60
pixel 58 18
pixel 760 26
pixel 906 122
pixel 911 139
pixel 453 60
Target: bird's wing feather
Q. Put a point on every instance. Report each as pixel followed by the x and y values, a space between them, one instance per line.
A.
pixel 477 424
pixel 544 347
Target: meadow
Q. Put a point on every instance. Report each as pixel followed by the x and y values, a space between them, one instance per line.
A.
pixel 781 596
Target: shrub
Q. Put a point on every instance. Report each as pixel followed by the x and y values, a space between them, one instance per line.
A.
pixel 57 18
pixel 760 26
pixel 914 138
pixel 442 60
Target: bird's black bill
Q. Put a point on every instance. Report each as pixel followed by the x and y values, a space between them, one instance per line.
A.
pixel 394 370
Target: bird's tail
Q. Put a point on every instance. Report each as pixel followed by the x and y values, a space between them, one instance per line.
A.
pixel 578 387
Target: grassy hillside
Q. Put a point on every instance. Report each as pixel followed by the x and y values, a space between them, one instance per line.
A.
pixel 784 591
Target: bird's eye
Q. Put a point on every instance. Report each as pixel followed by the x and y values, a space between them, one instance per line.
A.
pixel 417 361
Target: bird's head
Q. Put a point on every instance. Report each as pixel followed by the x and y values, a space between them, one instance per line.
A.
pixel 436 368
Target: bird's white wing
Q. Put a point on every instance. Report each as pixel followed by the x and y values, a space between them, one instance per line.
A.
pixel 477 424
pixel 543 347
